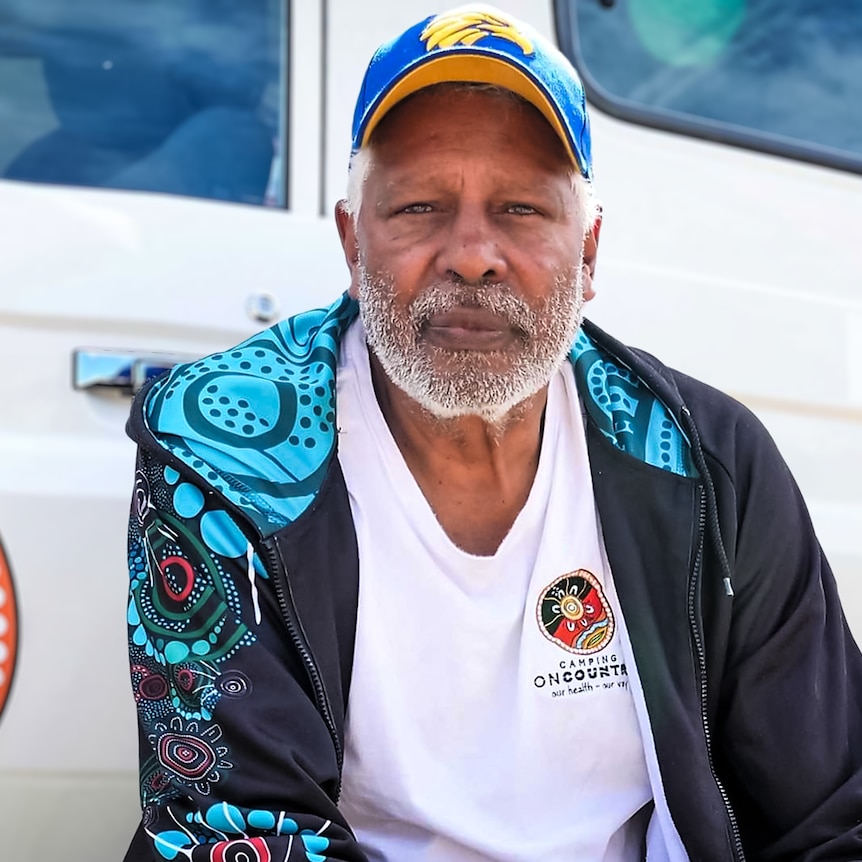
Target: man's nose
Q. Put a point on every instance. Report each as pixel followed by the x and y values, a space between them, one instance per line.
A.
pixel 472 250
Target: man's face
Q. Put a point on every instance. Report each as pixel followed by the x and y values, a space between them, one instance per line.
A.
pixel 467 253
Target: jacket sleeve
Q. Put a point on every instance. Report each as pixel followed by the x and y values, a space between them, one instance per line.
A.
pixel 236 762
pixel 789 735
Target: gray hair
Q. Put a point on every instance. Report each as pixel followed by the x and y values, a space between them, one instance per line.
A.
pixel 357 174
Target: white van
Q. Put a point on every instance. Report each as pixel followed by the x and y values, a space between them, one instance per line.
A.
pixel 167 173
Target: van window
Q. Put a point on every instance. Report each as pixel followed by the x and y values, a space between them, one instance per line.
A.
pixel 178 96
pixel 783 76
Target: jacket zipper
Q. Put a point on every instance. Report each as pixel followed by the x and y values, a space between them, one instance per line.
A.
pixel 297 636
pixel 739 853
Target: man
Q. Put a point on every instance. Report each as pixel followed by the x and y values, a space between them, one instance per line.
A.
pixel 575 597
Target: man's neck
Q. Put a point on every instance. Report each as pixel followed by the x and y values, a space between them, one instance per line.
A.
pixel 476 475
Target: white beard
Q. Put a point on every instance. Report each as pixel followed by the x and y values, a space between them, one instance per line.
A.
pixel 455 383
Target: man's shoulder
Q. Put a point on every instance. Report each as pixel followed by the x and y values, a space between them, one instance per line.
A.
pixel 256 422
pixel 727 429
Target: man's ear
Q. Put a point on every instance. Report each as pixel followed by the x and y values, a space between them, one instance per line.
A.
pixel 591 250
pixel 347 232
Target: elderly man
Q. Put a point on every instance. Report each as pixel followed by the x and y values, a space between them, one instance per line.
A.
pixel 575 597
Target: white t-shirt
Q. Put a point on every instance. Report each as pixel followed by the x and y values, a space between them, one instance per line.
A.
pixel 490 715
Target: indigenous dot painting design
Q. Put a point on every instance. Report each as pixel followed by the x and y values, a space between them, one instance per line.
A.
pixel 574 613
pixel 627 412
pixel 187 750
pixel 8 629
pixel 183 607
pixel 197 830
pixel 257 422
pixel 185 620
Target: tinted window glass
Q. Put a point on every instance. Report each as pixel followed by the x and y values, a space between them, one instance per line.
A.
pixel 180 96
pixel 787 72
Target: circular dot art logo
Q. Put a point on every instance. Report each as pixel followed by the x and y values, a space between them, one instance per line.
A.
pixel 574 613
pixel 8 629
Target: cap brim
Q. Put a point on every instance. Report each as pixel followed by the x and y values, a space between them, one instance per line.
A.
pixel 477 68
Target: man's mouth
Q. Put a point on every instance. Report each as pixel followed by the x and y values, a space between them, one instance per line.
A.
pixel 469 328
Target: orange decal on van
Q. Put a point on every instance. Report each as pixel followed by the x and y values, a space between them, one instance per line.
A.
pixel 8 629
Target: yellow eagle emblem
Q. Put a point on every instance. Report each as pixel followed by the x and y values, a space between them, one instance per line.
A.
pixel 467 28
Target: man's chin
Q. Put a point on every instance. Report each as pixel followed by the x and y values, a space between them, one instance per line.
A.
pixel 497 362
pixel 455 384
pixel 451 396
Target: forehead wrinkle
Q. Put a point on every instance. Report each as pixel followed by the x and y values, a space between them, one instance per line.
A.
pixel 439 171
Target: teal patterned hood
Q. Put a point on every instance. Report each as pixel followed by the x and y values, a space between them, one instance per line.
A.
pixel 257 423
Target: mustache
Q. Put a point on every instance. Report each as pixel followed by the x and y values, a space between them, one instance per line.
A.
pixel 499 299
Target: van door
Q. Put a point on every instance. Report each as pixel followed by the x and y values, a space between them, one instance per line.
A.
pixel 145 173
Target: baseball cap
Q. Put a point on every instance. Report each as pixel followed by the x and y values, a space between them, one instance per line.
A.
pixel 477 44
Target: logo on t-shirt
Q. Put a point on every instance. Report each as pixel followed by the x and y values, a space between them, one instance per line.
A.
pixel 574 613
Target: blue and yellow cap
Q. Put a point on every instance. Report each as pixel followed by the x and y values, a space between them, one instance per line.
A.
pixel 477 44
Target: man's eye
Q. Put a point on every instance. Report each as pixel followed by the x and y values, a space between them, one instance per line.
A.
pixel 413 209
pixel 522 209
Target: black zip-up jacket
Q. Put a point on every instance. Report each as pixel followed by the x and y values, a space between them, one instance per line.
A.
pixel 244 583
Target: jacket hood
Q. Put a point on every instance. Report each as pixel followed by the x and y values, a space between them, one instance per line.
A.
pixel 257 423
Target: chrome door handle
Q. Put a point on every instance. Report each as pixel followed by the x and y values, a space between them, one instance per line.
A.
pixel 123 370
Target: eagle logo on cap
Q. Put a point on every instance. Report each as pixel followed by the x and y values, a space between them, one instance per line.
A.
pixel 468 27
